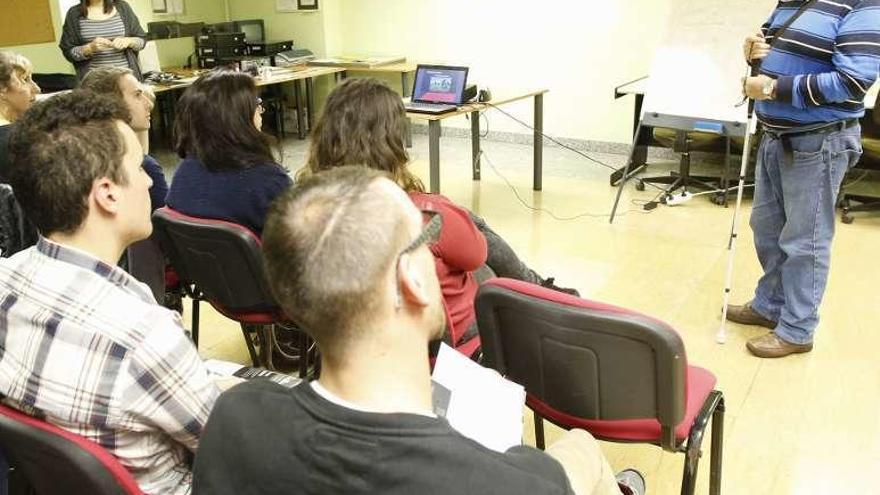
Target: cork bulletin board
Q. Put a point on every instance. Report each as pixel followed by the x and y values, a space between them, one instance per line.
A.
pixel 23 22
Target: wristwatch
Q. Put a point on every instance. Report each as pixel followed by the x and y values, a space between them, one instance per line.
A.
pixel 769 89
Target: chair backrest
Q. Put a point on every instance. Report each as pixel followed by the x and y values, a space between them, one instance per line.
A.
pixel 582 358
pixel 55 461
pixel 146 262
pixel 16 231
pixel 222 259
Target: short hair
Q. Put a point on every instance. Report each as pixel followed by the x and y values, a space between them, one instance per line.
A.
pixel 327 244
pixel 12 65
pixel 362 123
pixel 105 80
pixel 58 149
pixel 214 123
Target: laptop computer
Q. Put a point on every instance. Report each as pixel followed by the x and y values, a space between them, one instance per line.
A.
pixel 437 89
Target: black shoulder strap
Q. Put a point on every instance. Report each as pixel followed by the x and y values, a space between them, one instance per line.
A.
pixel 806 5
pixel 756 65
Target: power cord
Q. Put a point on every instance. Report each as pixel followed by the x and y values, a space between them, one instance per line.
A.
pixel 523 202
pixel 563 145
pixel 482 116
pixel 646 205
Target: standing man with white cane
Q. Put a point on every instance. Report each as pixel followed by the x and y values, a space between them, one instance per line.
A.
pixel 814 73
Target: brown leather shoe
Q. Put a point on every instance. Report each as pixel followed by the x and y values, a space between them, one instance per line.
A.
pixel 771 346
pixel 745 315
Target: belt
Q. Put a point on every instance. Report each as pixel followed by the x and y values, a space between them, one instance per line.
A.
pixel 785 136
pixel 840 125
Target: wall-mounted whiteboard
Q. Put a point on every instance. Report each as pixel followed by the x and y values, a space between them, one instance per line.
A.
pixel 698 69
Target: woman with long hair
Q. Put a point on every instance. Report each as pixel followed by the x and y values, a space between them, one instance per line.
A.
pixel 362 124
pixel 228 171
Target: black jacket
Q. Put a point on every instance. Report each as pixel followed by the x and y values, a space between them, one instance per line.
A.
pixel 72 37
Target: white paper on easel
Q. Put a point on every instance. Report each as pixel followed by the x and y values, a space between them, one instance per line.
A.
pixel 481 404
pixel 697 71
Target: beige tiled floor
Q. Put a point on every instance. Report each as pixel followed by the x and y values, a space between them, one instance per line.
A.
pixel 808 424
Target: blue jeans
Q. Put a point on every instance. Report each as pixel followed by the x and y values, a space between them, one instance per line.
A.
pixel 793 224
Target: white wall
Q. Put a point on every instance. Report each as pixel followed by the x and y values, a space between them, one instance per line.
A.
pixel 579 50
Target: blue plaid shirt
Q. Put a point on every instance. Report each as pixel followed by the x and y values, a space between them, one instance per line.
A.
pixel 84 346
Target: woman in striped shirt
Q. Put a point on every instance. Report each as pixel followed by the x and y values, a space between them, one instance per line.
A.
pixel 102 33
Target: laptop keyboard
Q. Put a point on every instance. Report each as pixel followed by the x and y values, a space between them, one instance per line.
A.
pixel 429 106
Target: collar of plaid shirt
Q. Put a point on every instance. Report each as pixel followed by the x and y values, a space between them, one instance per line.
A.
pixel 114 274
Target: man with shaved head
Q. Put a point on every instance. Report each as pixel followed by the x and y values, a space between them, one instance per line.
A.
pixel 348 259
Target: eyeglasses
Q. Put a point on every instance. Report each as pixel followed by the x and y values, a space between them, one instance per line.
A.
pixel 430 232
pixel 429 235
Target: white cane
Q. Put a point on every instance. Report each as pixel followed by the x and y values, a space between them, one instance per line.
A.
pixel 721 336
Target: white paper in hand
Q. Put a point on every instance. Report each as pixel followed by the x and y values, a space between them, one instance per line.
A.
pixel 482 405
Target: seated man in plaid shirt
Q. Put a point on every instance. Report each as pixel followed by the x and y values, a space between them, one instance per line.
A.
pixel 83 345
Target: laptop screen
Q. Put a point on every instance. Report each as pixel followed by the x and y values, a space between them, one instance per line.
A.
pixel 436 84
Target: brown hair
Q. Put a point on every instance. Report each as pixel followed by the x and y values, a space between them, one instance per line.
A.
pixel 326 251
pixel 12 64
pixel 215 123
pixel 84 6
pixel 58 149
pixel 362 124
pixel 105 80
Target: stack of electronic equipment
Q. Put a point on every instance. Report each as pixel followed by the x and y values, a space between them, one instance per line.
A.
pixel 218 49
pixel 238 43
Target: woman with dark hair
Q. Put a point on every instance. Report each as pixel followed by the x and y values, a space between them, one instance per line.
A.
pixel 102 33
pixel 228 170
pixel 362 124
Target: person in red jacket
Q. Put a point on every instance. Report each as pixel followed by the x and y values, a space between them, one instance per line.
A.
pixel 362 124
pixel 458 253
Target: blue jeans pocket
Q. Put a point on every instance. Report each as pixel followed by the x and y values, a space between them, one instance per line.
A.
pixel 848 149
pixel 809 148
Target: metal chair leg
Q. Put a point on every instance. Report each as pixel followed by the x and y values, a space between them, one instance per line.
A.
pixel 717 448
pixel 695 439
pixel 539 430
pixel 195 321
pixel 691 464
pixel 246 330
pixel 267 344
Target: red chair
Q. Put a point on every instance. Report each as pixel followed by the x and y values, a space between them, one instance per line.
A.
pixel 223 261
pixel 620 375
pixel 54 461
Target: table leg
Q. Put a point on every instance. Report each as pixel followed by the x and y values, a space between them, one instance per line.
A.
pixel 300 109
pixel 641 155
pixel 640 151
pixel 538 143
pixel 434 154
pixel 404 90
pixel 310 102
pixel 475 144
